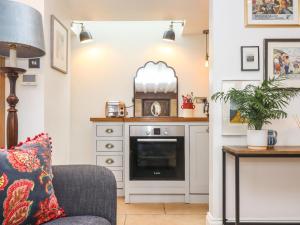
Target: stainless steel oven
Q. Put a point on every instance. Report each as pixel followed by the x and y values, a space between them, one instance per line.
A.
pixel 157 153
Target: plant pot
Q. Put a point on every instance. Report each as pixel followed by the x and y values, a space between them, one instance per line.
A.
pixel 187 113
pixel 257 139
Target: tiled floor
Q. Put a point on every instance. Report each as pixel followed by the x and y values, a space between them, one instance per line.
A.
pixel 161 214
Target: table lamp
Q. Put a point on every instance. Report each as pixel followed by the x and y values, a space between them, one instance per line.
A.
pixel 21 36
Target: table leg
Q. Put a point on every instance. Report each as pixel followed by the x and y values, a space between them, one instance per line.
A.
pixel 237 190
pixel 224 187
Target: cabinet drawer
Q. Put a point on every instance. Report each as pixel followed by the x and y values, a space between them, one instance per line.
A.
pixel 118 175
pixel 109 131
pixel 110 161
pixel 109 146
pixel 120 185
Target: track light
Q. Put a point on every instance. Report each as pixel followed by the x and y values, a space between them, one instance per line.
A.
pixel 170 35
pixel 84 35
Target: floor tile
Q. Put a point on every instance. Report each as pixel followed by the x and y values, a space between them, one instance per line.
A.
pixel 121 219
pixel 139 209
pixel 165 220
pixel 186 209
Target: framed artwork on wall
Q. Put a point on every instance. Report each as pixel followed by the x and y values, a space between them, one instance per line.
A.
pixel 282 61
pixel 232 124
pixel 271 13
pixel 59 45
pixel 250 58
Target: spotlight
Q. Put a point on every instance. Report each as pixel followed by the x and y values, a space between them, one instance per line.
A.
pixel 170 35
pixel 84 35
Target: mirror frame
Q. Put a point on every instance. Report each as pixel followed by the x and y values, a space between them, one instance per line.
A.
pixel 134 92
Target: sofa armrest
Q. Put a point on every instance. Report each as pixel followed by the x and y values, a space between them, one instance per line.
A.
pixel 86 190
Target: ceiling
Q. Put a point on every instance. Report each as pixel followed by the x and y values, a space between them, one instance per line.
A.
pixel 194 12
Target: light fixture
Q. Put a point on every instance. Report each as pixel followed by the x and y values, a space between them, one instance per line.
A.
pixel 21 36
pixel 84 35
pixel 206 32
pixel 170 35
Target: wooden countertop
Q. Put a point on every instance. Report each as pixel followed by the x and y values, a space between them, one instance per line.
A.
pixel 151 119
pixel 276 151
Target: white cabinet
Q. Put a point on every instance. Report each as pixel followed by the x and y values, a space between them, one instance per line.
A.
pixel 112 150
pixel 109 150
pixel 109 131
pixel 199 157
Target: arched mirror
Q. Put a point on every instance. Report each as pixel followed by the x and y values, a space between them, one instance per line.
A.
pixel 156 91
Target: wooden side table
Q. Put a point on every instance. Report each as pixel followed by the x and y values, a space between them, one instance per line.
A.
pixel 243 152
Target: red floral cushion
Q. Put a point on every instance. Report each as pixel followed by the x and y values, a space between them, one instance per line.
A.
pixel 26 191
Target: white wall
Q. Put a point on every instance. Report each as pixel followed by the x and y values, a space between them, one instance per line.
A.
pixel 57 89
pixel 46 107
pixel 269 188
pixel 104 70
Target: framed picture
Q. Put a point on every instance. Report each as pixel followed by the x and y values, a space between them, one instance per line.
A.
pixel 34 63
pixel 282 61
pixel 250 58
pixel 271 13
pixel 232 122
pixel 59 45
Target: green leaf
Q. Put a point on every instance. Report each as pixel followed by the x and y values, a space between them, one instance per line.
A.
pixel 259 105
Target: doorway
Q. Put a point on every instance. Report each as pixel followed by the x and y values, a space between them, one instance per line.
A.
pixel 2 104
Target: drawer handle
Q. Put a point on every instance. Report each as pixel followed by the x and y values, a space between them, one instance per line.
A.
pixel 207 130
pixel 109 146
pixel 109 131
pixel 109 161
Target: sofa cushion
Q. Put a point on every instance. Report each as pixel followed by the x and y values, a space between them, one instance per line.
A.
pixel 26 189
pixel 44 144
pixel 80 220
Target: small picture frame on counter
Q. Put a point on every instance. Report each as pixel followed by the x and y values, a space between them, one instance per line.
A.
pixel 34 63
pixel 250 58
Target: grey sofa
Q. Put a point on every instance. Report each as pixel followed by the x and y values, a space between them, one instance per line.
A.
pixel 87 194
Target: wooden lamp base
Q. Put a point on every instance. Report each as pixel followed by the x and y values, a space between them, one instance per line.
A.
pixel 12 100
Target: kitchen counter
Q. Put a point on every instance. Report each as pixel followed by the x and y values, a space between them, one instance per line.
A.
pixel 151 119
pixel 113 144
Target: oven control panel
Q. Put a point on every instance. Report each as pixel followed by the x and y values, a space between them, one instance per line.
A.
pixel 157 131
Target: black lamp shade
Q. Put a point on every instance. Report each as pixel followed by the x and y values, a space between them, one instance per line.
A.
pixel 169 35
pixel 85 36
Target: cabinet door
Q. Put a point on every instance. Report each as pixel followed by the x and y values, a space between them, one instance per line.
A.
pixel 199 156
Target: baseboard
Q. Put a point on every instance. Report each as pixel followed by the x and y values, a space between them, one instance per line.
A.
pixel 156 198
pixel 210 220
pixel 202 199
pixel 120 192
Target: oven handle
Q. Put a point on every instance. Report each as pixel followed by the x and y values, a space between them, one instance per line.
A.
pixel 156 140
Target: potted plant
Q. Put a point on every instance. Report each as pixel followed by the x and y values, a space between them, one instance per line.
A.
pixel 258 105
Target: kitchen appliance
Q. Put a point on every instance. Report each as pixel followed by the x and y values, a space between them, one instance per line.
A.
pixel 115 109
pixel 157 153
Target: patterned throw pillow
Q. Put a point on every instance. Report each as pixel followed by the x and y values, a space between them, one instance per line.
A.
pixel 26 190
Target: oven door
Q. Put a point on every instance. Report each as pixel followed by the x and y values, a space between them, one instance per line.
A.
pixel 157 158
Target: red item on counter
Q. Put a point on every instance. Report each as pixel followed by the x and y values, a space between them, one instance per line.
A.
pixel 188 105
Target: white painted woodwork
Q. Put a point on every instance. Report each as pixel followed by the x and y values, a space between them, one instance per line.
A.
pixel 109 130
pixel 118 175
pixel 108 150
pixel 112 151
pixel 199 160
pixel 110 161
pixel 109 146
